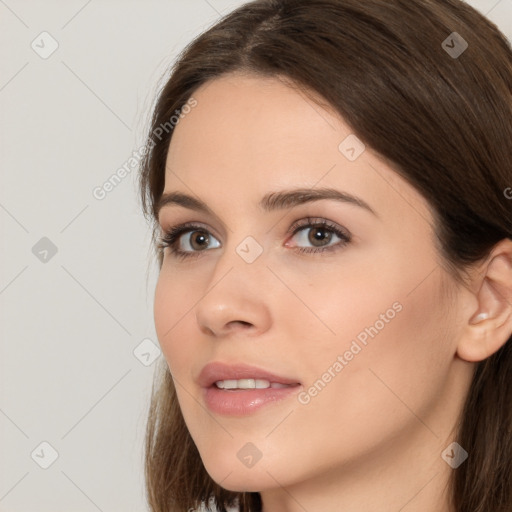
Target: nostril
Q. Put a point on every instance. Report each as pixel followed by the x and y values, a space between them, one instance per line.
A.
pixel 241 322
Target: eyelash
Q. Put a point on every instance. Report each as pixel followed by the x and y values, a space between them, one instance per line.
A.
pixel 171 237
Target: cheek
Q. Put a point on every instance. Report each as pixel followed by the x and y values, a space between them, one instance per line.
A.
pixel 390 307
pixel 395 353
pixel 172 303
pixel 390 327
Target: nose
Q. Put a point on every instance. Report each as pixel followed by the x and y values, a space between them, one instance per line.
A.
pixel 238 301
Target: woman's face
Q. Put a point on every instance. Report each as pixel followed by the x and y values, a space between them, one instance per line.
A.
pixel 356 317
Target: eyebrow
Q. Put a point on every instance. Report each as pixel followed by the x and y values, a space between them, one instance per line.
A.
pixel 270 202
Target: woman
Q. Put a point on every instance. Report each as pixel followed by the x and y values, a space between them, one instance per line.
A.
pixel 328 182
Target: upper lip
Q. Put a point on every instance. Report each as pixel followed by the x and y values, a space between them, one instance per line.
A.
pixel 216 371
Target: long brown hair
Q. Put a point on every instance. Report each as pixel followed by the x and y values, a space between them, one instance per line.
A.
pixel 442 120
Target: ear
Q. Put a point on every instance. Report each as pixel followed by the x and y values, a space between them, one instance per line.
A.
pixel 489 327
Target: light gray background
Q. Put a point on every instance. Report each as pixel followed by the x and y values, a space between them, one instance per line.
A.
pixel 70 324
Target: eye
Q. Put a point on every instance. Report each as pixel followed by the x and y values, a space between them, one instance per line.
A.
pixel 319 233
pixel 192 245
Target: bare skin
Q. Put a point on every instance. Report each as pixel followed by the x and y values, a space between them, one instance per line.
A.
pixel 372 437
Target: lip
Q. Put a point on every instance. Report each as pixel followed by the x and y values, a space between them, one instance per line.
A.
pixel 242 402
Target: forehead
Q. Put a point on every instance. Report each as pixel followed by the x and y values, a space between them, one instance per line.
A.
pixel 258 124
pixel 262 109
pixel 250 134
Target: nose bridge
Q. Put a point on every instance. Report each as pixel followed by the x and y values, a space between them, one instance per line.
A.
pixel 237 292
pixel 244 246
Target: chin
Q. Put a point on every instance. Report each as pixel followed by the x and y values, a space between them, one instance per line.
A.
pixel 240 479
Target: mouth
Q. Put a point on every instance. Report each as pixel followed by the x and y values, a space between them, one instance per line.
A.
pixel 241 376
pixel 238 390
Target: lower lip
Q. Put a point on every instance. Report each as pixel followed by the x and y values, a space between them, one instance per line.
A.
pixel 244 401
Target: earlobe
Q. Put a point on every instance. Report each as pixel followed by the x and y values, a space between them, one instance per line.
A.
pixel 490 326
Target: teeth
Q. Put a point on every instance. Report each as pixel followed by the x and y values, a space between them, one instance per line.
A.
pixel 248 384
